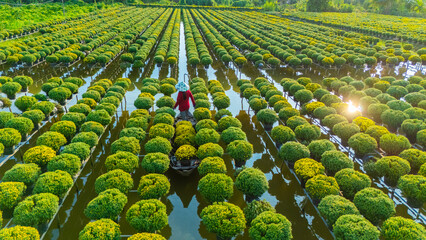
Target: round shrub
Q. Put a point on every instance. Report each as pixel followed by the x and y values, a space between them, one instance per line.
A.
pixel 26 173
pixel 41 155
pixel 240 150
pixel 374 204
pixel 332 207
pixel 155 162
pixel 420 137
pixel 95 127
pixel 375 111
pixel 288 112
pixel 345 130
pixel 267 116
pixel 147 215
pixel 270 225
pixel 9 137
pixel 402 228
pixel 307 132
pixel 101 116
pixel 57 182
pixel 108 204
pixel 333 119
pixel 295 121
pixel 281 105
pixel 255 208
pixel 163 118
pixel 414 188
pixel 90 138
pixel 351 181
pixel 306 168
pixel 140 122
pixel 162 130
pixel 354 227
pixel 224 219
pixel 158 144
pixel 394 144
pixel 376 132
pixel 293 151
pixel 36 209
pixel 206 123
pixel 321 186
pixel 101 229
pixel 153 186
pixel 146 236
pixel 202 113
pixel 216 187
pixel 258 104
pixel 392 168
pixel 127 144
pixel 88 101
pixel 411 126
pixel 125 161
pixel 91 94
pixel 335 160
pixel 393 118
pixel 228 121
pixel 60 94
pixel 167 110
pixel 25 102
pixel 362 144
pixel 416 113
pixel 11 194
pixel 4 117
pixel 211 165
pixel 135 132
pixel 66 128
pixel 318 147
pixel 282 134
pixel 143 103
pixel 114 179
pixel 66 162
pixel 415 157
pixel 303 96
pixel 324 111
pixel 28 233
pixel 209 150
pixel 80 149
pixel 36 116
pixel 77 118
pixel 22 124
pixel 252 182
pixel 10 89
pixel 206 135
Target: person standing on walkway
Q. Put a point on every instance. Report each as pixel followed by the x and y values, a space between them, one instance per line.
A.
pixel 183 100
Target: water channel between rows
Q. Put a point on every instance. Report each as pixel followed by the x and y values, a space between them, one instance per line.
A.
pixel 184 203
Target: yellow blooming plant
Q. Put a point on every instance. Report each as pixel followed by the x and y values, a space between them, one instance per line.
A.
pixel 185 152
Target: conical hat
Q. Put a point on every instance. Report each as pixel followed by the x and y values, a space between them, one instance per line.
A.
pixel 182 87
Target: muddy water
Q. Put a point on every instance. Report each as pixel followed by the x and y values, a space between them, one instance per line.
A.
pixel 184 203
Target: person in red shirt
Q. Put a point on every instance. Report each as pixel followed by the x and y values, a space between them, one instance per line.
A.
pixel 183 100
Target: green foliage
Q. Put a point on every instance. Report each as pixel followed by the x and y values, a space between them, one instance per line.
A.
pixel 209 150
pixel 335 160
pixel 127 144
pixel 206 135
pixel 114 179
pixel 202 113
pixel 295 121
pixel 153 186
pixel 40 155
pixel 156 162
pixel 60 94
pixel 57 182
pixel 125 161
pixel 224 219
pixel 146 236
pixel 331 120
pixel 255 208
pixel 394 144
pixel 66 128
pixel 293 151
pixel 402 228
pixel 206 123
pixel 100 229
pixel 11 88
pixel 67 162
pixel 303 96
pixel 143 103
pixel 80 149
pixel 211 165
pixel 270 225
pixel 307 132
pixel 216 187
pixel 252 182
pixel 36 209
pixel 332 207
pixel 228 121
pixel 140 122
pixel 9 137
pixel 101 116
pixel 22 124
pixel 231 134
pixel 415 157
pixel 147 215
pixel 413 187
pixel 374 205
pixel 25 102
pixel 393 118
pixel 90 138
pixel 282 134
pixel 77 118
pixel 10 194
pixel 345 130
pixel 26 173
pixel 354 227
pixel 20 232
pixel 318 147
pixel 392 168
pixel 91 126
pixel 36 116
pixel 162 130
pixel 321 186
pixel 240 150
pixel 158 144
pixel 362 144
pixel 306 168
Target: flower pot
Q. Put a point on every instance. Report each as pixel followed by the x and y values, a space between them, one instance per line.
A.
pixel 206 66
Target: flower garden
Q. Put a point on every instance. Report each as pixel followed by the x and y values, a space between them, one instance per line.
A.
pixel 306 126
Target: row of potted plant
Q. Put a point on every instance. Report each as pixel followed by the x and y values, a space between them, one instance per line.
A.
pixel 38 48
pixel 149 38
pixel 55 182
pixel 35 109
pixel 386 26
pixel 196 50
pixel 168 47
pixel 325 189
pixel 223 48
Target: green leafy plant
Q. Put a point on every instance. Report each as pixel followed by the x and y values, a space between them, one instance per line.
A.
pixel 156 162
pixel 202 113
pixel 374 205
pixel 114 179
pixel 25 102
pixel 211 165
pixel 90 138
pixel 306 168
pixel 9 137
pixel 101 116
pixel 216 187
pixel 255 208
pixel 158 144
pixel 125 161
pixel 282 134
pixel 228 121
pixel 146 236
pixel 413 187
pixel 394 144
pixel 240 150
pixel 293 151
pixel 351 181
pixel 23 232
pixel 321 186
pixel 209 150
pixel 80 149
pixel 36 209
pixel 402 228
pixel 153 186
pixel 147 215
pixel 267 116
pixel 11 194
pixel 67 162
pixel 22 124
pixel 40 155
pixel 100 229
pixel 332 207
pixel 77 118
pixel 270 225
pixel 27 173
pixel 307 132
pixel 36 116
pixel 362 144
pixel 10 89
pixel 345 130
pixel 224 219
pixel 353 227
pixel 252 182
pixel 57 182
